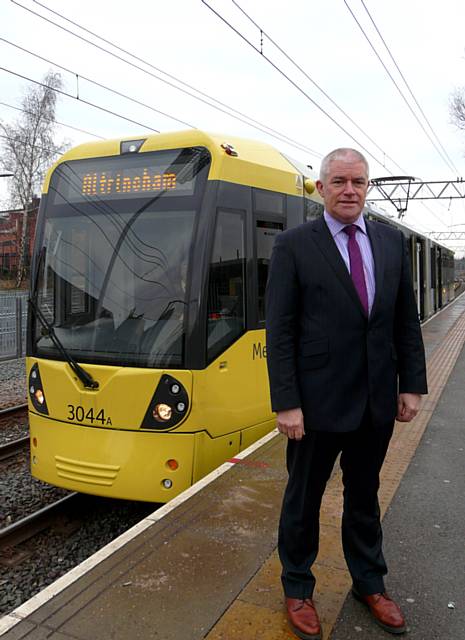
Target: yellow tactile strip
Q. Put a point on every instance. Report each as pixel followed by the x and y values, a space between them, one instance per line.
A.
pixel 258 613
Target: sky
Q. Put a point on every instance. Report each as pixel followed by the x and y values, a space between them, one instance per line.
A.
pixel 336 94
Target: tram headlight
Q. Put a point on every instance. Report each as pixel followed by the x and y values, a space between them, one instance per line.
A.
pixel 167 483
pixel 36 390
pixel 39 396
pixel 162 412
pixel 168 406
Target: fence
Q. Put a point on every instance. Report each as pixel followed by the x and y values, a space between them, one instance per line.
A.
pixel 13 319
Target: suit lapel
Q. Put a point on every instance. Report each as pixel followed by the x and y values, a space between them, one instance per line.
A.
pixel 325 243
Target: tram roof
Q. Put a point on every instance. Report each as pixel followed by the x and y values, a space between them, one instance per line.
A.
pixel 255 163
pixel 252 163
pixel 402 225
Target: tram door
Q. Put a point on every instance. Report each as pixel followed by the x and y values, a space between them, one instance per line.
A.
pixel 420 273
pixel 439 280
pixel 266 232
pixel 269 220
pixel 433 279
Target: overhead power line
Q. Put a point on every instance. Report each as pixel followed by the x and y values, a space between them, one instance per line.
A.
pixel 408 86
pixel 315 84
pixel 62 124
pixel 443 156
pixel 294 84
pixel 226 109
pixel 265 128
pixel 94 82
pixel 28 142
pixel 275 66
pixel 87 102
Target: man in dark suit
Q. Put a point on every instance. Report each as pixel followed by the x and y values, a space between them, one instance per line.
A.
pixel 345 358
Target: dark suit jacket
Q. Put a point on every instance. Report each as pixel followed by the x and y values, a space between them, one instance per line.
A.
pixel 323 354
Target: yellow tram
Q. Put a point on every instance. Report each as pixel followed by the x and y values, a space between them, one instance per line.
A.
pixel 146 352
pixel 146 345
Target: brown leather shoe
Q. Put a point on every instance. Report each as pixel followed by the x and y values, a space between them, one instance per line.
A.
pixel 385 612
pixel 303 618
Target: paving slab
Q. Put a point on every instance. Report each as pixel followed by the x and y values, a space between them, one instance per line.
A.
pixel 424 532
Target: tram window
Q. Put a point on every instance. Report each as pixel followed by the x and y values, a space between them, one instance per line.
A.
pixel 266 233
pixel 312 209
pixel 268 201
pixel 433 266
pixel 226 288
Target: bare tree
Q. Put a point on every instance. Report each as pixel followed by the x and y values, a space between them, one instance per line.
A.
pixel 28 151
pixel 457 108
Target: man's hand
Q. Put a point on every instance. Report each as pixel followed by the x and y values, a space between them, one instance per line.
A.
pixel 408 405
pixel 291 423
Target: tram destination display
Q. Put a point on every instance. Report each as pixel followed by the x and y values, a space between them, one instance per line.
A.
pixel 145 175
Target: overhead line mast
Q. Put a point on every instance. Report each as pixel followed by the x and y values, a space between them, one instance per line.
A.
pixel 399 190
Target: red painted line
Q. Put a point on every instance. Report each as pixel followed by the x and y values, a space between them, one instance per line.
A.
pixel 249 463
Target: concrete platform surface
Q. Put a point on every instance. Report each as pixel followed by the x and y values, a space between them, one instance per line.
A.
pixel 424 532
pixel 205 565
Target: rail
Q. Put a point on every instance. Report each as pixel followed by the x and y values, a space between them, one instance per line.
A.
pixel 36 522
pixel 7 410
pixel 10 449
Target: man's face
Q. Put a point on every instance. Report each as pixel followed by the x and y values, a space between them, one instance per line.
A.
pixel 344 189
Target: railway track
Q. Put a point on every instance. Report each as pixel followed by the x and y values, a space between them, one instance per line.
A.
pixel 14 534
pixel 14 447
pixel 5 411
pixel 13 430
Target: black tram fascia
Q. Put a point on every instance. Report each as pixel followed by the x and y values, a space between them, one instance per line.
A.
pixel 241 199
pixel 210 196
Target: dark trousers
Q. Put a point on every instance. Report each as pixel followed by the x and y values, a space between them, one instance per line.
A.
pixel 309 463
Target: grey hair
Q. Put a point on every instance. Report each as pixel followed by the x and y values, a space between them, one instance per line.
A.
pixel 340 154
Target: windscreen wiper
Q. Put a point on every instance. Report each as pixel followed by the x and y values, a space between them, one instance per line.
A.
pixel 87 380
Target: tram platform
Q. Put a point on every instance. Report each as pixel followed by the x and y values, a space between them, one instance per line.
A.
pixel 205 564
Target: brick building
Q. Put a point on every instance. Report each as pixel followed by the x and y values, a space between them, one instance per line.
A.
pixel 11 224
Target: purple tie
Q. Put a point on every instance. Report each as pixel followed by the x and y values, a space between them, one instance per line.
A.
pixel 356 266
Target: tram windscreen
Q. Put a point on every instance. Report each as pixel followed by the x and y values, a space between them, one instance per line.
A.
pixel 113 262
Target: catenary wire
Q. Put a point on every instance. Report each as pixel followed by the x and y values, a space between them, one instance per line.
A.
pixel 307 96
pixel 62 124
pixel 315 84
pixel 410 91
pixel 94 82
pixel 178 80
pixel 227 110
pixel 87 102
pixel 93 44
pixel 398 88
pixel 25 142
pixel 408 86
pixel 304 93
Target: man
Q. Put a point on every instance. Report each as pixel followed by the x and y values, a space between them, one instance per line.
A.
pixel 345 358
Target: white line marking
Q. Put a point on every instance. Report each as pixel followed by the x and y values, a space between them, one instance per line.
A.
pixel 20 613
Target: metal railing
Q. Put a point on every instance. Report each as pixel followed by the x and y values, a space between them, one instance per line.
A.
pixel 13 319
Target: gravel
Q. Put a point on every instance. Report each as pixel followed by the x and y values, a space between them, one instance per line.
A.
pixel 12 382
pixel 20 493
pixel 56 551
pixel 13 427
pixel 38 562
